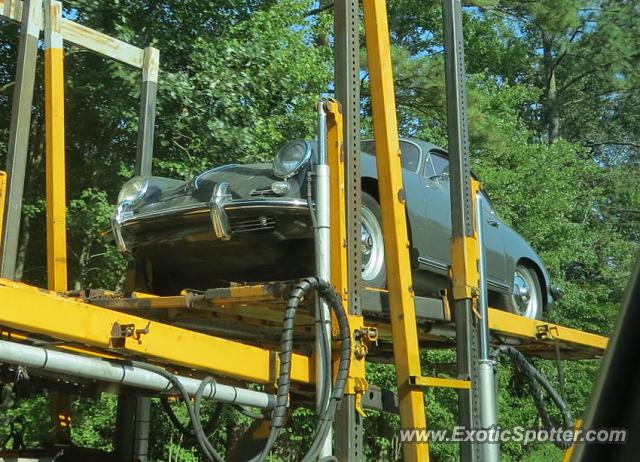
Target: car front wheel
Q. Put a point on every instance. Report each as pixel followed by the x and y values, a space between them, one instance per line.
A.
pixel 374 273
pixel 526 298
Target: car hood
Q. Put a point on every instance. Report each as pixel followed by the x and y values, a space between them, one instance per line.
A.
pixel 245 182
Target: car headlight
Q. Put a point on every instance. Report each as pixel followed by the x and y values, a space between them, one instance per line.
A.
pixel 133 190
pixel 291 158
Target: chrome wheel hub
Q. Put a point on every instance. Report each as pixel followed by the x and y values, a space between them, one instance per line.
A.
pixel 366 243
pixel 525 296
pixel 371 244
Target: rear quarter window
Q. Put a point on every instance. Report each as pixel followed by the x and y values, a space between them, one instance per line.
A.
pixel 411 153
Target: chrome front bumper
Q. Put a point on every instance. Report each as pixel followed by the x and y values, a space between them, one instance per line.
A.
pixel 219 218
pixel 220 204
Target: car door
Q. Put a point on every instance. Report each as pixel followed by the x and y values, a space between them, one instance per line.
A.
pixel 438 211
pixel 413 185
pixel 437 214
pixel 493 245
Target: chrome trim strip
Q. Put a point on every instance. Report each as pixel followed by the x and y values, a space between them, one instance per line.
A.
pixel 260 203
pixel 434 264
pixel 219 218
pixel 220 168
pixel 203 208
pixel 445 268
pixel 117 220
pixel 498 285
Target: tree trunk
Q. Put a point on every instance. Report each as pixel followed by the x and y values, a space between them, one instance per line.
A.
pixel 34 163
pixel 25 237
pixel 83 264
pixel 550 105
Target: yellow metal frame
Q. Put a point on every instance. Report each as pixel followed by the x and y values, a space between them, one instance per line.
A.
pixel 89 329
pixel 335 148
pixel 29 309
pixel 56 219
pixel 441 382
pixel 406 350
pixel 465 253
pixel 512 325
pixel 55 148
pixel 357 383
pixel 3 195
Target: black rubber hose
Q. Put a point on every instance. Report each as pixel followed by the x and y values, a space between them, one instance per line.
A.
pixel 537 380
pixel 330 401
pixel 209 452
pixel 248 413
pixel 279 415
pixel 186 431
pixel 327 292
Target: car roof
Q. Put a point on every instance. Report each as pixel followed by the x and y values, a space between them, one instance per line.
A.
pixel 425 146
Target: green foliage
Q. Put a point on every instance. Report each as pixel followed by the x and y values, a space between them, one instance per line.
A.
pixel 93 423
pixel 554 122
pixel 28 419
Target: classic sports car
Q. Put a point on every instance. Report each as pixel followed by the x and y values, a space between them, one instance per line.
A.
pixel 243 223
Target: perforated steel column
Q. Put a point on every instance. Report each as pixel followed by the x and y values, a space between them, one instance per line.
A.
pixel 462 219
pixel 349 425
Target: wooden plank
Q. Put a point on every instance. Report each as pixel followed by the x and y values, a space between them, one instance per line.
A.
pixel 84 37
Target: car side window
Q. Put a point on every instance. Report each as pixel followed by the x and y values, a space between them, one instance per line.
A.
pixel 440 163
pixel 410 152
pixel 488 202
pixel 368 146
pixel 410 156
pixel 429 170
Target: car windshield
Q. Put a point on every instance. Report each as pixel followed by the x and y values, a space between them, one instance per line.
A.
pixel 410 153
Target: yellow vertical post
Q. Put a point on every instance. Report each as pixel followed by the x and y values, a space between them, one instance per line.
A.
pixel 568 454
pixel 55 149
pixel 357 383
pixel 394 221
pixel 60 405
pixel 335 148
pixel 3 194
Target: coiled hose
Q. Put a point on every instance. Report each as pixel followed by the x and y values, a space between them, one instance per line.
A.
pixel 329 401
pixel 278 420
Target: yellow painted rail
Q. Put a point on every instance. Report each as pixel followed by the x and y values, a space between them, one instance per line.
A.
pixel 39 311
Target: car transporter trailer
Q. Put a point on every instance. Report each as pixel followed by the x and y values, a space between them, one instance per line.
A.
pixel 140 345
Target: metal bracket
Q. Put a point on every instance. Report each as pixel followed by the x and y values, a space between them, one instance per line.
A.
pixel 360 387
pixel 120 332
pixel 546 332
pixel 363 338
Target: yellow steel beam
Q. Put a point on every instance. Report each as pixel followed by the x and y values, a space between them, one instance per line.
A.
pixel 357 383
pixel 465 252
pixel 568 454
pixel 335 148
pixel 441 382
pixel 3 195
pixel 10 335
pixel 38 311
pixel 60 404
pixel 512 325
pixel 55 149
pixel 394 221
